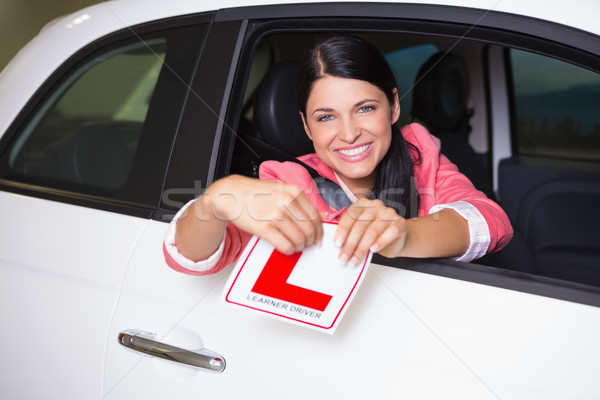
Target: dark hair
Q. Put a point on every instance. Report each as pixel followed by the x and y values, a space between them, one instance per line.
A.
pixel 355 58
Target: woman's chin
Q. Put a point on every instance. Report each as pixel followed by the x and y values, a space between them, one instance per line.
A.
pixel 356 173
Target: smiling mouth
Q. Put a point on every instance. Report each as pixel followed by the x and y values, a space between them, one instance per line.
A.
pixel 355 151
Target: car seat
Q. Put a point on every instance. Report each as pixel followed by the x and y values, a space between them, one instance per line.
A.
pixel 553 212
pixel 276 116
pixel 277 132
pixel 440 96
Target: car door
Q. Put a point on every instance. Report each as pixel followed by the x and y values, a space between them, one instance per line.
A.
pixel 81 171
pixel 416 329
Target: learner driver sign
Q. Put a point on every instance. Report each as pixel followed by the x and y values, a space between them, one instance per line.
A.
pixel 310 288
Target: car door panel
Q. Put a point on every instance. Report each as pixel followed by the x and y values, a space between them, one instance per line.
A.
pixel 62 268
pixel 364 353
pixel 403 330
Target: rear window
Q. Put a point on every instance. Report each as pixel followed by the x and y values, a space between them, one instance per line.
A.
pixel 105 126
pixel 89 130
pixel 556 107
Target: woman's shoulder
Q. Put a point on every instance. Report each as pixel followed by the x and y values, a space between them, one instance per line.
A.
pixel 294 172
pixel 420 137
pixel 281 170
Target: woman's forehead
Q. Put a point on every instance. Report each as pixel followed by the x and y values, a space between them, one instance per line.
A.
pixel 331 89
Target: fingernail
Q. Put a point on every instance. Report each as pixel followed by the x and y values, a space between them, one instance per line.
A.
pixel 354 261
pixel 374 248
pixel 343 258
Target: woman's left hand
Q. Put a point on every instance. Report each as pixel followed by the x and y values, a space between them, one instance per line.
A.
pixel 369 224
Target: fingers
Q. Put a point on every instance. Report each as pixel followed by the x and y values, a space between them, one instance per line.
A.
pixel 296 229
pixel 279 213
pixel 368 225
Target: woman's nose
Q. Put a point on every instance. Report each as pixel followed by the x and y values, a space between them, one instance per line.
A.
pixel 349 131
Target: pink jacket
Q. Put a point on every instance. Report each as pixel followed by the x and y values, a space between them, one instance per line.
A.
pixel 438 183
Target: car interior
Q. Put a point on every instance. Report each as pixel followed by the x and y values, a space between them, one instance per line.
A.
pixel 549 200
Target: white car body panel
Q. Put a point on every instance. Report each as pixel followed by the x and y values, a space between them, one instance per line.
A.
pixel 444 338
pixel 407 334
pixel 64 265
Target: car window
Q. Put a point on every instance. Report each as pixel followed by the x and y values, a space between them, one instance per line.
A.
pixel 556 107
pixel 105 127
pixel 88 131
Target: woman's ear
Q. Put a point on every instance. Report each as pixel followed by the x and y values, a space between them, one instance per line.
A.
pixel 395 114
pixel 306 129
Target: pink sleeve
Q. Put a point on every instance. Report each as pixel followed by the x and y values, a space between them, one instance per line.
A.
pixel 453 186
pixel 440 182
pixel 229 250
pixel 292 173
pixel 235 239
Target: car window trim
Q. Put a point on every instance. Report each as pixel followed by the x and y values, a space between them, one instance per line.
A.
pixel 472 17
pixel 498 277
pixel 189 170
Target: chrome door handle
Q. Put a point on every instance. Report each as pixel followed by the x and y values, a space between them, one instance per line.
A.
pixel 146 343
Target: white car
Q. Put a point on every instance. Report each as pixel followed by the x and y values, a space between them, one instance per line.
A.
pixel 115 116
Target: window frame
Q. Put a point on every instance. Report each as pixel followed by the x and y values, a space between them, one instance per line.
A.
pixel 195 153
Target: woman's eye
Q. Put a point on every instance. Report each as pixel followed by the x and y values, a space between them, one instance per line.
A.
pixel 366 109
pixel 324 118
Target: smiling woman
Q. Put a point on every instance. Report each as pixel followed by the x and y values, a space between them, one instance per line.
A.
pixel 348 102
pixel 349 122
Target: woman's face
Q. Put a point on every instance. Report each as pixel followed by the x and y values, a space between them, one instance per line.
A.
pixel 349 122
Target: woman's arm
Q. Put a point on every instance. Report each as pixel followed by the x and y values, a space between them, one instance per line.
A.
pixel 277 212
pixel 441 185
pixel 369 224
pixel 199 231
pixel 442 234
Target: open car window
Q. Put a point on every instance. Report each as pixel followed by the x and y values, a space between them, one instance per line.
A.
pixel 539 249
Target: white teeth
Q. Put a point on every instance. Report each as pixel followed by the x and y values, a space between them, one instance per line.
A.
pixel 355 151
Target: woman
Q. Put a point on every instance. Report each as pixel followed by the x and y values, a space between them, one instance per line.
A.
pixel 407 199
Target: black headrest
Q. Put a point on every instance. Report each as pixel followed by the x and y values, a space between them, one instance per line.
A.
pixel 276 115
pixel 441 91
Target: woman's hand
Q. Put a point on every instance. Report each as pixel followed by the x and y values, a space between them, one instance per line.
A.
pixel 369 224
pixel 277 212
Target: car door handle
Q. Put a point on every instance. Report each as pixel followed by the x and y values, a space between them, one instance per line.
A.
pixel 145 342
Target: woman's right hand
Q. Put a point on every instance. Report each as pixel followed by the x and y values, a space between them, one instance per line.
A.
pixel 277 212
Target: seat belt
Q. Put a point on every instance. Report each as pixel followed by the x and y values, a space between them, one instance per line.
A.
pixel 330 191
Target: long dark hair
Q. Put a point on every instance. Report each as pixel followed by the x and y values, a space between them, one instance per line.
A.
pixel 355 58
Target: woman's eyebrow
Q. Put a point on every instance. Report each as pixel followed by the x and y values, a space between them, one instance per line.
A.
pixel 360 103
pixel 323 109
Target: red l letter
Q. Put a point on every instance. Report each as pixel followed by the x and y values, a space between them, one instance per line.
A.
pixel 272 282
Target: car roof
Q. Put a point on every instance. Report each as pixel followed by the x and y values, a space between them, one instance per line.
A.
pixel 581 14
